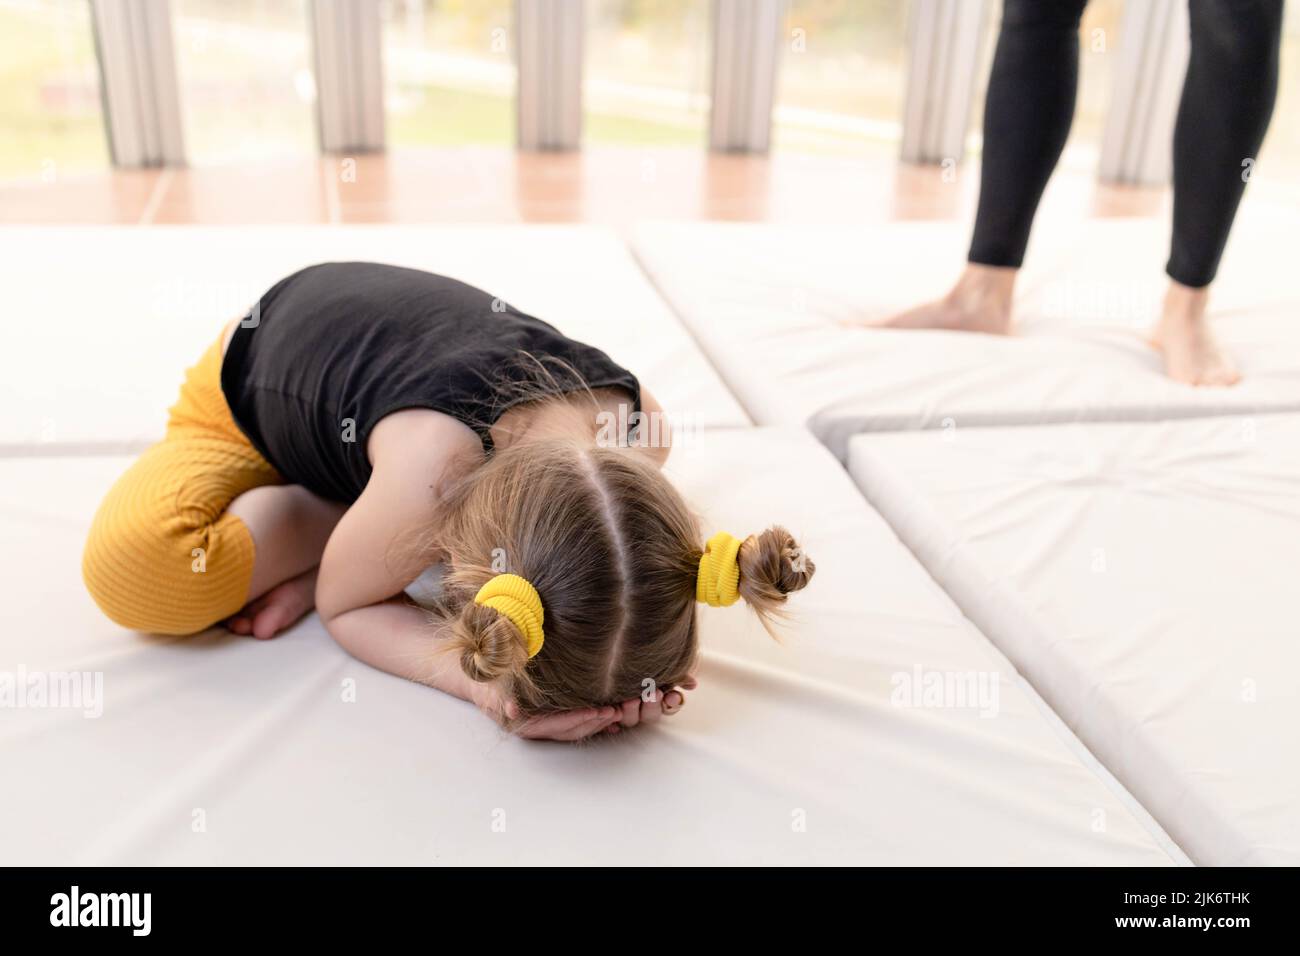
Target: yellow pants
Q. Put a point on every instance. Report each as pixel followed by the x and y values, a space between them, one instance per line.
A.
pixel 163 556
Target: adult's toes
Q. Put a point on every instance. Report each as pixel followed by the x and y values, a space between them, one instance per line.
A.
pixel 1181 372
pixel 1222 375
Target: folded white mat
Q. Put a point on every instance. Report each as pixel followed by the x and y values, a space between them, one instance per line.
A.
pixel 1142 577
pixel 103 321
pixel 773 307
pixel 225 750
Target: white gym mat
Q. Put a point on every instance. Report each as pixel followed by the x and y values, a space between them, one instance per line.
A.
pixel 1143 578
pixel 836 746
pixel 773 306
pixel 103 321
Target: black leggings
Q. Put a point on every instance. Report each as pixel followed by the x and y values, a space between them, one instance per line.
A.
pixel 1226 105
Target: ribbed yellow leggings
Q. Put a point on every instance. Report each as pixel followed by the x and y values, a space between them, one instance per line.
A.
pixel 163 556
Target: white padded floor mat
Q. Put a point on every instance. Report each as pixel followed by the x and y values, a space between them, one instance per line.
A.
pixel 770 306
pixel 224 750
pixel 1143 578
pixel 104 320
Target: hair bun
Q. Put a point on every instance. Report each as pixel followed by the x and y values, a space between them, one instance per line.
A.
pixel 489 644
pixel 772 565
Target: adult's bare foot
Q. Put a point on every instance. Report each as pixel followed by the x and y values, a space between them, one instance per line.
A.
pixel 1191 353
pixel 979 302
pixel 277 609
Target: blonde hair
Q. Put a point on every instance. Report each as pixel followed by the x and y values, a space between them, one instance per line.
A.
pixel 613 551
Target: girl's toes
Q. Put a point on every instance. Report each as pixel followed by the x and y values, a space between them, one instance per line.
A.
pixel 270 621
pixel 282 606
pixel 240 624
pixel 276 615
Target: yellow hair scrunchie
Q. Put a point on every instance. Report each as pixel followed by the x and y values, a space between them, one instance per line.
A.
pixel 517 599
pixel 719 578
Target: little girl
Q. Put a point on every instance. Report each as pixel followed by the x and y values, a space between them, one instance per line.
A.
pixel 364 422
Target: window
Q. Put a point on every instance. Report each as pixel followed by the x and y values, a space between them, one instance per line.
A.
pixel 449 74
pixel 840 86
pixel 50 116
pixel 247 88
pixel 1099 38
pixel 1280 156
pixel 647 72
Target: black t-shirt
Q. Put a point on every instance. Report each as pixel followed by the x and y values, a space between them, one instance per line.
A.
pixel 331 350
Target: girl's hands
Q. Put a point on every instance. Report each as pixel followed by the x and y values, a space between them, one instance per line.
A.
pixel 638 711
pixel 579 724
pixel 567 725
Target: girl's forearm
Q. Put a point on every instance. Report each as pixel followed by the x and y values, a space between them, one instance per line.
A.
pixel 397 637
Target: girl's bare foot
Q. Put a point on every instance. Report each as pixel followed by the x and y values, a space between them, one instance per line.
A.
pixel 979 302
pixel 277 609
pixel 1183 334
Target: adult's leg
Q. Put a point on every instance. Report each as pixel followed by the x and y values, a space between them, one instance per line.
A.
pixel 1226 106
pixel 1227 102
pixel 1027 114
